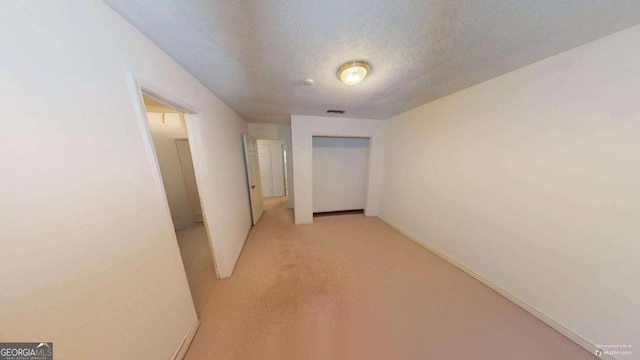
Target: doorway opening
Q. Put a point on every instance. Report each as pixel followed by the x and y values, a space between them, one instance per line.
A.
pixel 272 156
pixel 170 139
pixel 340 168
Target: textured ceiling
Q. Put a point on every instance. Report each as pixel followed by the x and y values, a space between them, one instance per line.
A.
pixel 255 54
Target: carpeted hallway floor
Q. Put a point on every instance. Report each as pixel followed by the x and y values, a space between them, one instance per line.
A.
pixel 351 287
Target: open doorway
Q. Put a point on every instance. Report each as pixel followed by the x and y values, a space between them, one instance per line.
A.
pixel 272 156
pixel 340 168
pixel 173 155
pixel 273 167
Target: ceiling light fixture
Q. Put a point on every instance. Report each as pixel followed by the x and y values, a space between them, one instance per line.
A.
pixel 353 72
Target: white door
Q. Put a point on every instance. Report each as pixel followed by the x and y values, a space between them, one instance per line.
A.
pixel 253 176
pixel 266 176
pixel 277 168
pixel 272 167
pixel 189 175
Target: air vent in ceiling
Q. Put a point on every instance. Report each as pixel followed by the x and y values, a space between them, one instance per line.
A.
pixel 335 111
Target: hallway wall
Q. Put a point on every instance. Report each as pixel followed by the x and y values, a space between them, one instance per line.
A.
pixel 89 258
pixel 531 181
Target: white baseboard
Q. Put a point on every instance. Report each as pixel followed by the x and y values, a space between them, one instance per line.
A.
pixel 530 309
pixel 186 341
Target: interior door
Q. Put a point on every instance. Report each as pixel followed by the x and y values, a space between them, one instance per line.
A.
pixel 266 176
pixel 189 176
pixel 253 176
pixel 277 168
pixel 272 167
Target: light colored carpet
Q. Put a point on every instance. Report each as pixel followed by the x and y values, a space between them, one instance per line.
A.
pixel 351 287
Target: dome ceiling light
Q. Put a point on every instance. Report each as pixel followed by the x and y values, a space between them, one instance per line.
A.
pixel 353 72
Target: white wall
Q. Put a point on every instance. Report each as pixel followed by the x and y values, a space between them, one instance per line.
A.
pixel 532 181
pixel 340 169
pixel 282 132
pixel 303 128
pixel 88 257
pixel 164 141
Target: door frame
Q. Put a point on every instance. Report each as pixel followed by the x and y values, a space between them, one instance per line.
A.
pixel 195 133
